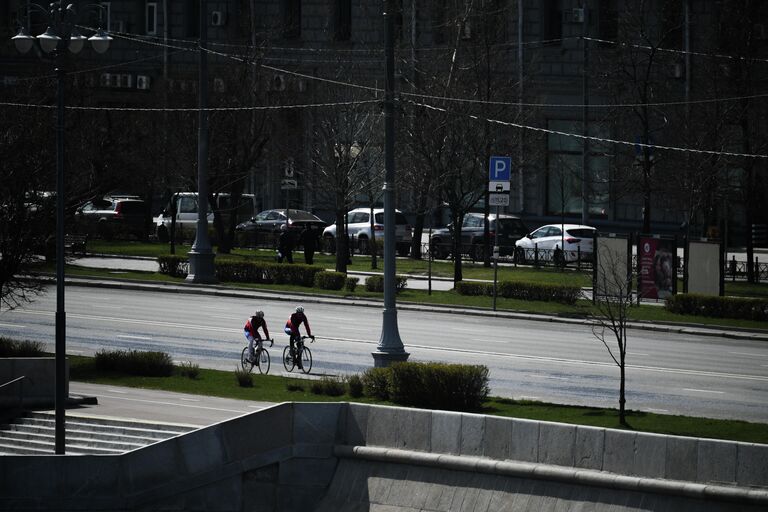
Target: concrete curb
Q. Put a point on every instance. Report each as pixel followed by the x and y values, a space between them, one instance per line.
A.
pixel 555 473
pixel 223 291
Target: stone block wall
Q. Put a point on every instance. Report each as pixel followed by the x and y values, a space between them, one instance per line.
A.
pixel 38 389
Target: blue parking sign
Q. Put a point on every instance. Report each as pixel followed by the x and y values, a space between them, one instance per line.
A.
pixel 500 168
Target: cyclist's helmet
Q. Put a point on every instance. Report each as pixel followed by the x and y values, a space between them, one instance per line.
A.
pixel 259 314
pixel 299 309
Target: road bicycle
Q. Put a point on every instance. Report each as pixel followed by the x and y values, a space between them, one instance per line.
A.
pixel 260 358
pixel 304 356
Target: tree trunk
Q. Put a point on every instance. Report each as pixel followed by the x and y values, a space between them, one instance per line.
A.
pixel 342 251
pixel 458 220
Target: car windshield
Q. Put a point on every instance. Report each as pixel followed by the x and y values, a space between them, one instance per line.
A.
pixel 581 232
pixel 132 208
pixel 399 218
pixel 301 215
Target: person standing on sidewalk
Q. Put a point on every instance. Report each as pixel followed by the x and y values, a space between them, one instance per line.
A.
pixel 285 245
pixel 309 241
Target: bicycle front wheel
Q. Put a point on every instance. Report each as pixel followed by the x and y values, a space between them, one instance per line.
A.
pixel 244 362
pixel 306 360
pixel 263 361
pixel 288 361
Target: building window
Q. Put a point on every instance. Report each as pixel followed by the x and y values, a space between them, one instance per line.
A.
pixel 439 16
pixel 608 22
pixel 343 20
pixel 150 18
pixel 291 19
pixel 104 16
pixel 192 18
pixel 552 20
pixel 564 165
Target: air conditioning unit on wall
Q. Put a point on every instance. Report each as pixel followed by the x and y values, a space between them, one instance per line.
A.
pixel 278 83
pixel 218 18
pixel 142 82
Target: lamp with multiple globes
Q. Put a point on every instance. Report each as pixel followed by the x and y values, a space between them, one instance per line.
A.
pixel 61 34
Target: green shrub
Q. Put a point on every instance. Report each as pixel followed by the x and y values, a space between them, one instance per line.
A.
pixel 376 283
pixel 294 386
pixel 355 384
pixel 21 348
pixel 268 273
pixel 330 280
pixel 376 383
pixel 244 378
pixel 189 369
pixel 455 387
pixel 134 362
pixel 351 283
pixel 330 386
pixel 473 289
pixel 174 266
pixel 523 290
pixel 718 307
pixel 316 387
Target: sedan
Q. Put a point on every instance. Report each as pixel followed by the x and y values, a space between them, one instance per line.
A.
pixel 269 223
pixel 559 242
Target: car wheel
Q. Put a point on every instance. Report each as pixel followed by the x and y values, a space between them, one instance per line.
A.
pixel 330 244
pixel 478 251
pixel 520 255
pixel 438 249
pixel 363 246
pixel 162 235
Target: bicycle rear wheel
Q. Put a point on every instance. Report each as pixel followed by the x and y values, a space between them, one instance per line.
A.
pixel 263 361
pixel 306 360
pixel 244 362
pixel 288 361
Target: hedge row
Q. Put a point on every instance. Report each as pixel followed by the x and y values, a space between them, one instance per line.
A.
pixel 247 271
pixel 453 387
pixel 376 283
pixel 134 362
pixel 718 307
pixel 21 348
pixel 522 290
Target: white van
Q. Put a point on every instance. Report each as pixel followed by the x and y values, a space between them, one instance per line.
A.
pixel 186 214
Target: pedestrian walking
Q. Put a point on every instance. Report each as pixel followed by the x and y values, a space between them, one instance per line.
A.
pixel 309 241
pixel 285 245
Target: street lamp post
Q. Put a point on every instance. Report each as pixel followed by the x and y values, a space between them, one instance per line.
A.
pixel 390 348
pixel 201 268
pixel 61 35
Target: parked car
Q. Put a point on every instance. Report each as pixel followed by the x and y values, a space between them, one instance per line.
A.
pixel 559 242
pixel 270 222
pixel 186 214
pixel 113 217
pixel 510 229
pixel 359 221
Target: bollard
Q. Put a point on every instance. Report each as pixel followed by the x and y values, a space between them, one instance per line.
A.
pixel 578 257
pixel 536 255
pixel 733 268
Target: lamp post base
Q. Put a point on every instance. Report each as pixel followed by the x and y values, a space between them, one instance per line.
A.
pixel 201 269
pixel 384 359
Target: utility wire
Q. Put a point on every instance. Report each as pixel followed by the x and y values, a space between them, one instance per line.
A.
pixel 674 50
pixel 592 138
pixel 195 109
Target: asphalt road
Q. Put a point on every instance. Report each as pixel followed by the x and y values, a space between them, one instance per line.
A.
pixel 552 361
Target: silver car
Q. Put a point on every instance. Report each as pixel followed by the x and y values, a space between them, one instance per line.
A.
pixel 359 221
pixel 559 242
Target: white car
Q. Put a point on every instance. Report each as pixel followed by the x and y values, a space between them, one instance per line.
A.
pixel 359 221
pixel 556 241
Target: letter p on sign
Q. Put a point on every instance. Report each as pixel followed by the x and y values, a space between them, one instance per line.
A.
pixel 500 168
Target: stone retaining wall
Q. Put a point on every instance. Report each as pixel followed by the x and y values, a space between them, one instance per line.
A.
pixel 38 389
pixel 286 457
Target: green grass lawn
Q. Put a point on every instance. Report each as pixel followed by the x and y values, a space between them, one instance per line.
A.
pixel 271 388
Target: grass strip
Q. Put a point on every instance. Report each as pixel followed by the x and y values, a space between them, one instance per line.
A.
pixel 273 388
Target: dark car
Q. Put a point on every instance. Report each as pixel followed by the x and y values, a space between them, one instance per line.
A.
pixel 113 217
pixel 265 226
pixel 510 230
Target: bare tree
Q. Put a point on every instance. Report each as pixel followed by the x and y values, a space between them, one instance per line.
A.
pixel 345 146
pixel 612 297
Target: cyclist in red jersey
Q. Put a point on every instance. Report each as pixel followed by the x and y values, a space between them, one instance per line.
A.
pixel 251 331
pixel 292 329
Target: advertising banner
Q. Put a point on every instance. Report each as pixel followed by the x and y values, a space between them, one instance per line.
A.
pixel 657 267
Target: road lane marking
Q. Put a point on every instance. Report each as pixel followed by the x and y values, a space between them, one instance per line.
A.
pixel 104 306
pixel 17 326
pixel 748 354
pixel 190 399
pixel 651 409
pixel 118 391
pixel 70 351
pixel 636 354
pixel 131 337
pixel 704 391
pixel 158 402
pixel 481 353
